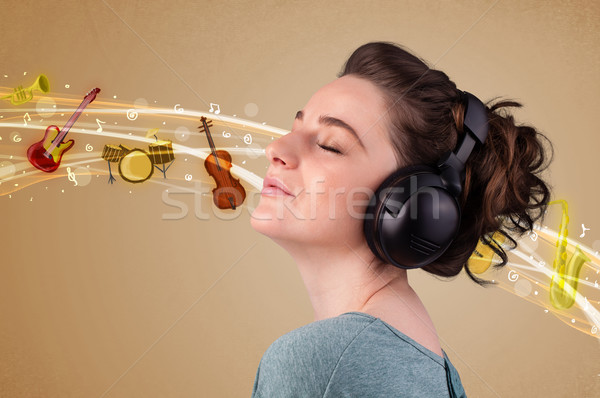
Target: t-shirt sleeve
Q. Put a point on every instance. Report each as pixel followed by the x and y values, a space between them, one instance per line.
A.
pixel 349 357
pixel 375 366
pixel 300 363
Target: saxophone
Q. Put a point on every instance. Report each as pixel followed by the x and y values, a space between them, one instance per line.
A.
pixel 563 286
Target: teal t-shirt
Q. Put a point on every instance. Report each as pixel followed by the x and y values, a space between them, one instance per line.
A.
pixel 353 355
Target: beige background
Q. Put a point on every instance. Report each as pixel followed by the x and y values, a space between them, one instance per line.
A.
pixel 99 296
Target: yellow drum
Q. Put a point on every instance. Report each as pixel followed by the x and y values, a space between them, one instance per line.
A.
pixel 161 152
pixel 112 153
pixel 136 166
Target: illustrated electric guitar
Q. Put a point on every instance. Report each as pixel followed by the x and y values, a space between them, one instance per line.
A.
pixel 47 153
pixel 229 193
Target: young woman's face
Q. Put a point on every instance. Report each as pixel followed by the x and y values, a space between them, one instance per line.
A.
pixel 323 172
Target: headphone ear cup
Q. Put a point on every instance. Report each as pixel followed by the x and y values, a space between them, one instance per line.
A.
pixel 412 218
pixel 375 205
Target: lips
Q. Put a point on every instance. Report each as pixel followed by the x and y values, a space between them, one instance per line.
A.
pixel 272 186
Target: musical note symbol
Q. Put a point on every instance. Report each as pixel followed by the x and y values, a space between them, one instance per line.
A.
pixel 178 110
pixel 28 118
pixel 584 229
pixel 99 129
pixel 248 139
pixel 226 134
pixel 216 111
pixel 586 303
pixel 534 236
pixel 71 176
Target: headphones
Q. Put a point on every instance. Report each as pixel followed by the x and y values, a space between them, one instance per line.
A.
pixel 414 215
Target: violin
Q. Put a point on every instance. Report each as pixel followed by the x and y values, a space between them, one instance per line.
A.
pixel 229 193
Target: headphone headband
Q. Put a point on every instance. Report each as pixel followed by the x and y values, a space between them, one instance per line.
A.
pixel 475 124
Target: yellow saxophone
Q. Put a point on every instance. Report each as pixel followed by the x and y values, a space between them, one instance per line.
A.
pixel 563 287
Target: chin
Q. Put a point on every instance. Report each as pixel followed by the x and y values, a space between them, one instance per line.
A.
pixel 276 229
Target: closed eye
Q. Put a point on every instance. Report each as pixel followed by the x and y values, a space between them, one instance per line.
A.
pixel 329 149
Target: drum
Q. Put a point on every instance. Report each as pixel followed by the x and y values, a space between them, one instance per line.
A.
pixel 112 153
pixel 161 152
pixel 136 166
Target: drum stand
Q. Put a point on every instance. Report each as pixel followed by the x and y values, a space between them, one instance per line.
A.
pixel 111 178
pixel 164 169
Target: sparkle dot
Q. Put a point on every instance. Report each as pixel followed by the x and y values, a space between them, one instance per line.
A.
pixel 129 191
pixel 572 320
pixel 546 311
pixel 67 85
pixel 114 96
pixel 62 190
pixel 164 123
pixel 251 109
pixel 535 292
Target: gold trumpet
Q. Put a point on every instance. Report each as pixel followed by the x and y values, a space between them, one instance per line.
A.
pixel 22 95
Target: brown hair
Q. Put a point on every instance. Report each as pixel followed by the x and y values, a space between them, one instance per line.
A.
pixel 502 191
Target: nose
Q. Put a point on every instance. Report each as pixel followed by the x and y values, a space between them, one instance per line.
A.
pixel 282 152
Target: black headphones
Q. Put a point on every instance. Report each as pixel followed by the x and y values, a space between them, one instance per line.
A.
pixel 414 215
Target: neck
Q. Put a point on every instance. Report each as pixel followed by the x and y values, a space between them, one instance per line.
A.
pixel 346 278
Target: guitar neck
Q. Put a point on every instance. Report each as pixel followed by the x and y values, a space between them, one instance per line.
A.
pixel 72 120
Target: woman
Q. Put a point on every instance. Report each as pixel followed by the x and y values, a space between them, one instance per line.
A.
pixel 372 335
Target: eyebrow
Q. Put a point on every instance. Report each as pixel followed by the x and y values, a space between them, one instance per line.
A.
pixel 332 121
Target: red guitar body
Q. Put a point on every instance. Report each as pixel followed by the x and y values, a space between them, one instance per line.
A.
pixel 36 156
pixel 46 154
